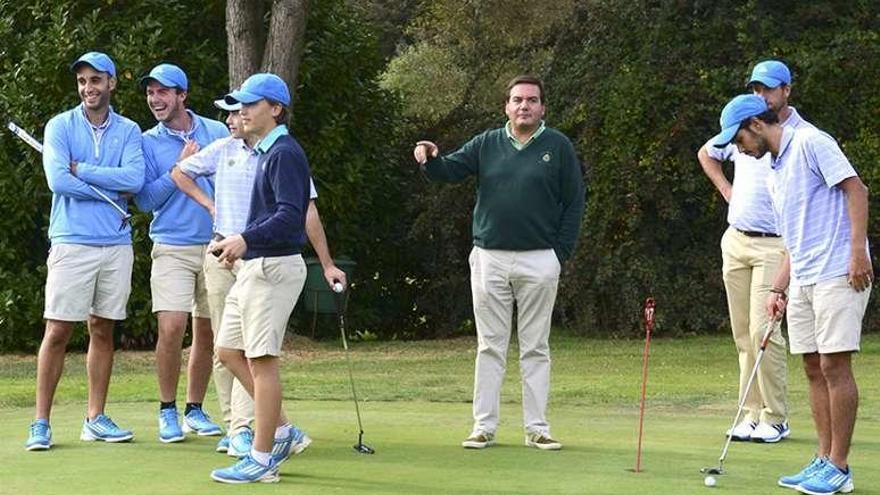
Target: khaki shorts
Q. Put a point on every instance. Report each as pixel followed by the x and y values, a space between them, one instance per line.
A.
pixel 259 304
pixel 826 317
pixel 88 280
pixel 177 281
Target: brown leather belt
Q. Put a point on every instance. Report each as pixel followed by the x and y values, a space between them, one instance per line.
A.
pixel 752 233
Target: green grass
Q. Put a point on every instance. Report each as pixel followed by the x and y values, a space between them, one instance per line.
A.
pixel 416 410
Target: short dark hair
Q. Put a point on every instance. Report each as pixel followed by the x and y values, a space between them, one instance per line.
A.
pixel 767 116
pixel 525 79
pixel 284 116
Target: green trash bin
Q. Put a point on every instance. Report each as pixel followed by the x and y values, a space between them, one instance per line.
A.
pixel 318 297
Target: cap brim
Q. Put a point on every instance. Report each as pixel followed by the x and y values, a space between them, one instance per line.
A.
pixel 228 107
pixel 770 82
pixel 76 65
pixel 725 136
pixel 144 81
pixel 243 97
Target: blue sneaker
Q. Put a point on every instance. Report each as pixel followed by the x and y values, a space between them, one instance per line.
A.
pixel 169 428
pixel 40 436
pixel 830 479
pixel 809 470
pixel 196 420
pixel 240 443
pixel 247 470
pixel 295 443
pixel 104 429
pixel 223 445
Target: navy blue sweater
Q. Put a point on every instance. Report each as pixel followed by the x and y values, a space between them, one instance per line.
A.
pixel 277 219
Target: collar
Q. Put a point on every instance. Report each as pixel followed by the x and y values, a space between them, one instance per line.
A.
pixel 183 134
pixel 101 127
pixel 784 141
pixel 264 144
pixel 515 142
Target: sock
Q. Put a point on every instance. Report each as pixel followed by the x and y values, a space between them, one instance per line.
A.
pixel 167 405
pixel 190 406
pixel 263 458
pixel 282 431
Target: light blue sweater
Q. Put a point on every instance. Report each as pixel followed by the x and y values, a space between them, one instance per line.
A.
pixel 177 219
pixel 112 161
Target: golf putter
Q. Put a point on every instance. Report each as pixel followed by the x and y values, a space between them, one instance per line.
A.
pixel 38 147
pixel 339 290
pixel 719 469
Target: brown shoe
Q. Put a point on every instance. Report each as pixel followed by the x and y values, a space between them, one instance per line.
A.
pixel 542 441
pixel 479 440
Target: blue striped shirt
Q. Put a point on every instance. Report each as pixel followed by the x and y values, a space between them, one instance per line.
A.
pixel 751 208
pixel 812 211
pixel 234 166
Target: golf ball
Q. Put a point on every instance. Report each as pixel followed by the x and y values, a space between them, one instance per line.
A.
pixel 709 481
pixel 337 287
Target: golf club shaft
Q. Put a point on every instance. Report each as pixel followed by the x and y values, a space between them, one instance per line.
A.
pixel 340 309
pixel 36 145
pixel 742 402
pixel 649 326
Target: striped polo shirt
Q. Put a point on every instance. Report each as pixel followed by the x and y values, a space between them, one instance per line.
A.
pixel 233 164
pixel 750 207
pixel 812 212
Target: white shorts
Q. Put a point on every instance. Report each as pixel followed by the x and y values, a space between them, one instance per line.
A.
pixel 826 317
pixel 259 304
pixel 177 279
pixel 88 280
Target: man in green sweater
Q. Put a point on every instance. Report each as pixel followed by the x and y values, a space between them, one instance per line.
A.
pixel 530 200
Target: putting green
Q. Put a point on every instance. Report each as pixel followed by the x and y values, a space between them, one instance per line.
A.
pixel 690 404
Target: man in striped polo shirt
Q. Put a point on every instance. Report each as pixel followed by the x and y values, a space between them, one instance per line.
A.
pixel 751 252
pixel 530 202
pixel 822 213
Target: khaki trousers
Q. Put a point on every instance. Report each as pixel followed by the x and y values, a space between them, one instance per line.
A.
pixel 498 280
pixel 236 404
pixel 750 265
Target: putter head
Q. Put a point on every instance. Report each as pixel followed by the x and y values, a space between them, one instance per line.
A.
pixel 363 449
pixel 717 471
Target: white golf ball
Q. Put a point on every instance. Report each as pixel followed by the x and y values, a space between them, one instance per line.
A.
pixel 337 287
pixel 709 481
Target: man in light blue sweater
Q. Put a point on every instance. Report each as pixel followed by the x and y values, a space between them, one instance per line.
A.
pixel 90 261
pixel 180 231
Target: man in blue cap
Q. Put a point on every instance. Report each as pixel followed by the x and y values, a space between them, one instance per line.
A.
pixel 90 261
pixel 180 232
pixel 751 251
pixel 821 207
pixel 272 276
pixel 232 164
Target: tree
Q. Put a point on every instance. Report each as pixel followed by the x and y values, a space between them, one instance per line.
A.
pixel 254 46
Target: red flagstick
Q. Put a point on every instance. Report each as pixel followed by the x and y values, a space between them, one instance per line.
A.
pixel 649 327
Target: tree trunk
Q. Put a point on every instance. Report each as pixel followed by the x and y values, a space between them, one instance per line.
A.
pixel 244 34
pixel 286 39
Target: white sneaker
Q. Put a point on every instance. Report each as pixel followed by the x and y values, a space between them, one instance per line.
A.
pixel 743 431
pixel 767 433
pixel 542 441
pixel 479 440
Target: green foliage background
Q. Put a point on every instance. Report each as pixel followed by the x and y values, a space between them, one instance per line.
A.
pixel 637 86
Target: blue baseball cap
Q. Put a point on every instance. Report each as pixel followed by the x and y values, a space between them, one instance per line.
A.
pixel 735 112
pixel 168 75
pixel 770 73
pixel 261 86
pixel 98 61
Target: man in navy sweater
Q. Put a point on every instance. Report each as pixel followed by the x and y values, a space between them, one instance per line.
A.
pixel 273 274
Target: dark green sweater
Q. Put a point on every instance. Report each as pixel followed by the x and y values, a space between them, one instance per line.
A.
pixel 526 199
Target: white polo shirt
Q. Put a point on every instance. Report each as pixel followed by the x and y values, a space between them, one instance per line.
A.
pixel 751 208
pixel 812 211
pixel 234 166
